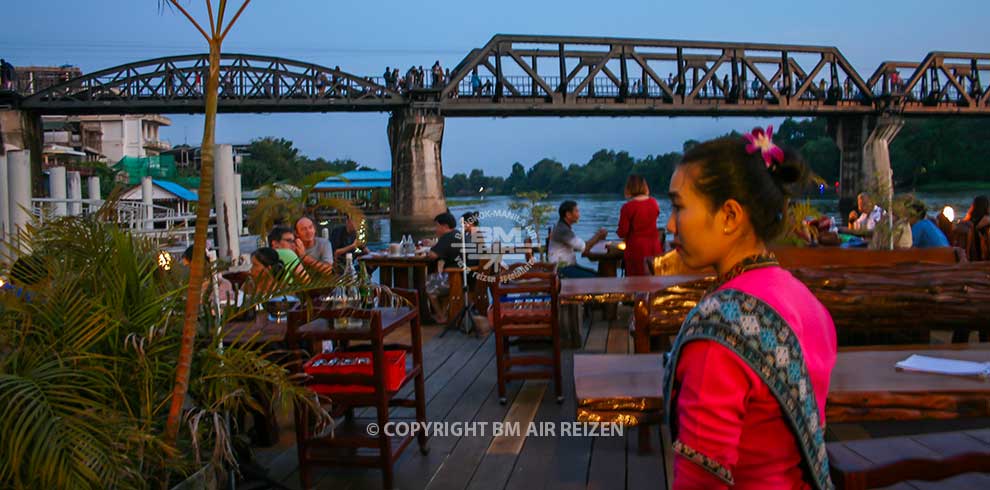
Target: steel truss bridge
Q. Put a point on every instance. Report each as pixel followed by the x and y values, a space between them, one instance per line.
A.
pixel 551 76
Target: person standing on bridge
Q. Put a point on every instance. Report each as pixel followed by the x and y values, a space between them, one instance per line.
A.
pixel 475 83
pixel 437 72
pixel 747 377
pixel 8 75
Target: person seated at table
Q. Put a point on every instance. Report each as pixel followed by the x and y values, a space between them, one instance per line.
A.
pixel 972 234
pixel 563 243
pixel 314 252
pixel 446 252
pixel 266 271
pixel 187 256
pixel 894 229
pixel 344 239
pixel 283 241
pixel 863 222
pixel 225 288
pixel 638 226
pixel 924 232
pixel 748 374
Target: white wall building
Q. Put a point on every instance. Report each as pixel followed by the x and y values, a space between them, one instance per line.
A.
pixel 127 135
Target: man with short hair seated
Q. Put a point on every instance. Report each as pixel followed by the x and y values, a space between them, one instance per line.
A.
pixel 445 253
pixel 313 251
pixel 563 243
pixel 869 215
pixel 283 241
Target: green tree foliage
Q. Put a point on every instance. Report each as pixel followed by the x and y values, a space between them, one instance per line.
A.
pixel 935 151
pixel 272 160
pixel 926 151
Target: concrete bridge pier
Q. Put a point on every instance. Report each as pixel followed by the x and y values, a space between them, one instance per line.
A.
pixel 415 138
pixel 864 158
pixel 22 130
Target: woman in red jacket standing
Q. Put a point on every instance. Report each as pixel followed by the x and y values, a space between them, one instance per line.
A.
pixel 638 226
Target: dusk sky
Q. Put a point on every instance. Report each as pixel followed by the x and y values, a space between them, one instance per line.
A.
pixel 363 37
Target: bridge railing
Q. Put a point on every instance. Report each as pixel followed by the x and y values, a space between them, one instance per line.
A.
pixel 604 87
pixel 179 81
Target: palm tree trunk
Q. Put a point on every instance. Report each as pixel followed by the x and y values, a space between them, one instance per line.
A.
pixel 198 265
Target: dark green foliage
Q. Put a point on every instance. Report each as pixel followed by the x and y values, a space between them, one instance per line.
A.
pixel 926 152
pixel 273 160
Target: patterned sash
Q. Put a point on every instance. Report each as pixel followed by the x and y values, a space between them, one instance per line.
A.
pixel 759 336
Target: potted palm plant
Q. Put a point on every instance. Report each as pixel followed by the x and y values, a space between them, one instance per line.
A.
pixel 90 327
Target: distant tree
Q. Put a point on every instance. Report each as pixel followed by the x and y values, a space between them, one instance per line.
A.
pixel 516 180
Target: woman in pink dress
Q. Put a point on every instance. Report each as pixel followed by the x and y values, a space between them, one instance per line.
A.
pixel 747 378
pixel 638 226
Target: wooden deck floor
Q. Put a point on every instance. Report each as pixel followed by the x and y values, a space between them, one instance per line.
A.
pixel 460 387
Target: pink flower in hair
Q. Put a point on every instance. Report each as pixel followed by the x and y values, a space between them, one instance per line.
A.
pixel 761 141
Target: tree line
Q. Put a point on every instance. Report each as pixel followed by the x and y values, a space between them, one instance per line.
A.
pixel 927 151
pixel 271 160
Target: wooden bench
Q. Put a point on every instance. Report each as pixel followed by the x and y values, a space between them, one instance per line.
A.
pixel 873 463
pixel 891 300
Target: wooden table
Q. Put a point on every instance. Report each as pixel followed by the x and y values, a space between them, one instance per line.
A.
pixel 259 330
pixel 608 258
pixel 616 289
pixel 865 386
pixel 395 272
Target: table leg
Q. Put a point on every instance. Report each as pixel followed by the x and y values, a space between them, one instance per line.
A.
pixel 419 283
pixel 420 381
pixel 609 268
pixel 401 277
pixel 385 276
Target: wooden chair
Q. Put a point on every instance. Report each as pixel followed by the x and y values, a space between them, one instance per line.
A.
pixel 311 327
pixel 525 306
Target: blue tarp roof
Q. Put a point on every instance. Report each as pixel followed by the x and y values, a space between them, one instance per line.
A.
pixel 178 190
pixel 355 175
pixel 362 184
pixel 358 179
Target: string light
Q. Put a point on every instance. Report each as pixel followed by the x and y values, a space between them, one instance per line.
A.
pixel 165 260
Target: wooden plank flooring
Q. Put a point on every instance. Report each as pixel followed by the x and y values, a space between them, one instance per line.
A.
pixel 460 387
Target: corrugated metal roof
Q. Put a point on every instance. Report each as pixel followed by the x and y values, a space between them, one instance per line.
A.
pixel 362 184
pixel 178 190
pixel 361 175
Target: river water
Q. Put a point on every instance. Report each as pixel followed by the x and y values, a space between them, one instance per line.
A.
pixel 599 211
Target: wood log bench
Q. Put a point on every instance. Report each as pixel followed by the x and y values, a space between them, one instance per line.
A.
pixel 887 302
pixel 874 463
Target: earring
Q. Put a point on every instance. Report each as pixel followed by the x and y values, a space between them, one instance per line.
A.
pixel 725 230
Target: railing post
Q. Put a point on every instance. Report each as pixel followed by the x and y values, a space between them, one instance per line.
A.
pixel 4 200
pixel 95 200
pixel 19 194
pixel 75 193
pixel 228 243
pixel 56 186
pixel 147 202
